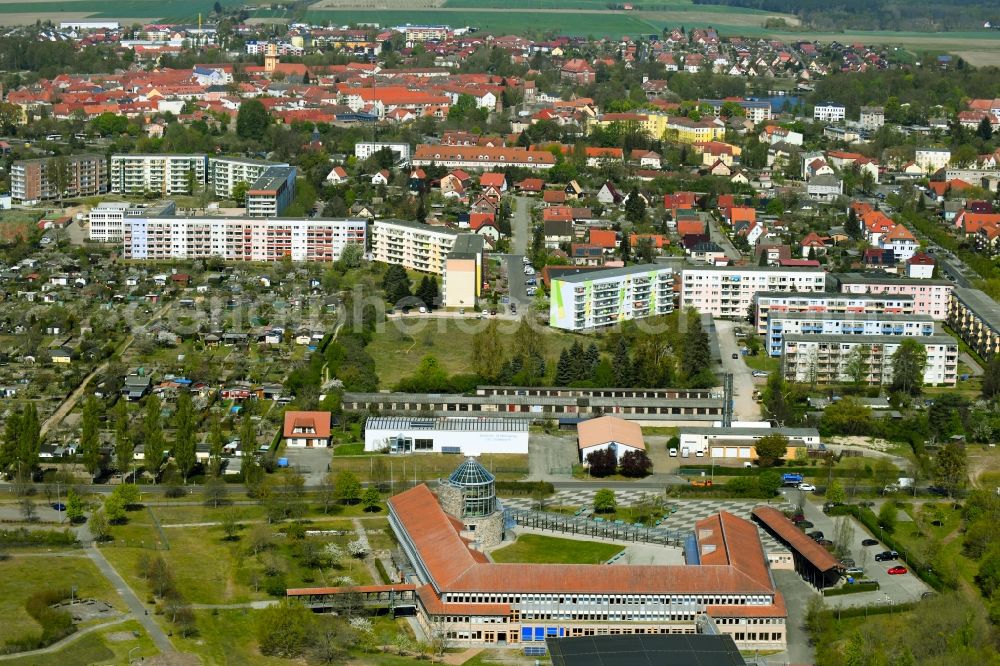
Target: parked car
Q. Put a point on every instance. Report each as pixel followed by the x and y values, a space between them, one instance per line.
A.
pixel 816 534
pixel 854 571
pixel 798 518
pixel 848 562
pixel 759 373
pixel 58 506
pixel 736 356
pixel 896 571
pixel 807 487
pixel 673 452
pixel 826 543
pixel 869 542
pixel 886 556
pixel 805 525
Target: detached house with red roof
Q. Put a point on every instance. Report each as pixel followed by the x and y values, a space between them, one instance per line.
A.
pixel 577 71
pixel 902 243
pixel 307 429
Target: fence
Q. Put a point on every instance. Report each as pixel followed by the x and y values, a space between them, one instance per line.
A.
pixel 595 527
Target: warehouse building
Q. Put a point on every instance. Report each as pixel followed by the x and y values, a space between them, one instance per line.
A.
pixel 465 436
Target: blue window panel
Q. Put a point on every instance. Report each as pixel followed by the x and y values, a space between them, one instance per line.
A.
pixel 551 631
pixel 525 633
pixel 562 632
pixel 539 633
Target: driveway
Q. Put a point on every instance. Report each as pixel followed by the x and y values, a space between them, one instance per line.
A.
pixel 310 463
pixel 745 408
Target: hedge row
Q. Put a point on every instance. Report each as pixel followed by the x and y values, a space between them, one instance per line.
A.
pixel 525 487
pixel 56 623
pixel 863 586
pixel 864 611
pixel 382 572
pixel 26 537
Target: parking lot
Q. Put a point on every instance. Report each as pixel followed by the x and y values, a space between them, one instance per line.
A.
pixel 893 588
pixel 311 463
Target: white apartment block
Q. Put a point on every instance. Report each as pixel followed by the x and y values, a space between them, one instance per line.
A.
pixel 828 112
pixel 930 297
pixel 106 221
pixel 159 174
pixel 595 299
pixel 365 149
pixel 825 358
pixel 778 303
pixel 931 160
pixel 784 324
pixel 225 172
pixel 413 245
pixel 241 238
pixel 729 291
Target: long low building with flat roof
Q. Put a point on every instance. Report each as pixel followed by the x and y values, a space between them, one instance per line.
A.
pixel 827 323
pixel 566 405
pixel 825 359
pixel 976 318
pixel 468 436
pixel 717 442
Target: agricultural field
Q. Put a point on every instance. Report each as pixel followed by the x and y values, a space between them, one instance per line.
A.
pixel 535 548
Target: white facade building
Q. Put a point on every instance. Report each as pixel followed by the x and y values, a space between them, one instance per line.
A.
pixel 728 291
pixel 159 174
pixel 811 323
pixel 931 160
pixel 106 221
pixel 225 172
pixel 465 436
pixel 241 238
pixel 825 358
pixel 595 299
pixel 768 303
pixel 930 297
pixel 738 442
pixel 365 149
pixel 413 245
pixel 872 117
pixel 828 112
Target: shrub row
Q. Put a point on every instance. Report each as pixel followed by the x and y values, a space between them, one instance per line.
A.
pixel 864 611
pixel 382 572
pixel 525 487
pixel 862 586
pixel 26 537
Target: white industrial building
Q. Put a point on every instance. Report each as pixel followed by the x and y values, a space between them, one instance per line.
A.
pixel 738 442
pixel 464 436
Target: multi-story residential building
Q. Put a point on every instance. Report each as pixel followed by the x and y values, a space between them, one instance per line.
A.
pixel 729 291
pixel 768 303
pixel 365 149
pixel 756 111
pixel 106 221
pixel 826 359
pixel 931 160
pixel 225 172
pixel 595 299
pixel 482 157
pixel 902 243
pixel 463 271
pixel 685 130
pixel 783 324
pixel 413 245
pixel 241 238
pixel 872 117
pixel 930 297
pixel 976 318
pixel 271 194
pixel 828 112
pixel 158 174
pixel 36 180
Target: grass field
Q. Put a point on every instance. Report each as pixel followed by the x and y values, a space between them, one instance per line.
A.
pixel 540 549
pixel 399 348
pixel 427 466
pixel 21 575
pixel 98 648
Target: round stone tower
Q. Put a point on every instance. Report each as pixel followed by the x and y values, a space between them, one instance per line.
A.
pixel 469 495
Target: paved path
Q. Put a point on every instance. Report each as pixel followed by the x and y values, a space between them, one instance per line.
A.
pixel 140 612
pixel 974 368
pixel 72 638
pixel 359 530
pixel 746 408
pixel 718 236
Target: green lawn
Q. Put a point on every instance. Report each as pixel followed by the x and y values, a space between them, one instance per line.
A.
pixel 551 550
pixel 401 344
pixel 97 648
pixel 422 467
pixel 763 362
pixel 24 574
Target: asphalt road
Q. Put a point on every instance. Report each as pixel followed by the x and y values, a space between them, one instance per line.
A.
pixel 516 286
pixel 745 407
pixel 520 225
pixel 717 236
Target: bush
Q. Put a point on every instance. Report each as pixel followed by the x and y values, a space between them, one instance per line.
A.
pixel 25 537
pixel 861 586
pixel 525 487
pixel 602 462
pixel 275 586
pixel 56 624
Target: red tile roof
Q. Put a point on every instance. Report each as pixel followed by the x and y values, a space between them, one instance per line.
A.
pixel 606 238
pixel 319 422
pixel 604 429
pixel 817 555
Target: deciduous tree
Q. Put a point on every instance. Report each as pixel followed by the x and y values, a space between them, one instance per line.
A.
pixel 771 449
pixel 908 363
pixel 152 441
pixel 90 443
pixel 602 462
pixel 604 501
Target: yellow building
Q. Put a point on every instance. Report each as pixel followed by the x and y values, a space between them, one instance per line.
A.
pixel 463 272
pixel 664 126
